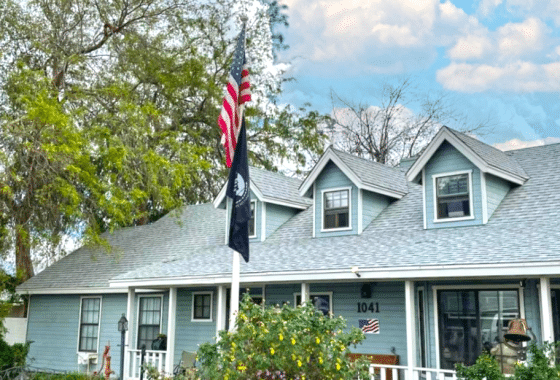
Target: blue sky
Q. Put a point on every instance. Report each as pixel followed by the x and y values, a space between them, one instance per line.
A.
pixel 497 59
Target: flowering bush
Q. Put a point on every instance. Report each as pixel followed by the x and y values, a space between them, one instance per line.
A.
pixel 282 343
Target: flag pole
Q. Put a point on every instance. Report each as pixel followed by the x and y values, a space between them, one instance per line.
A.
pixel 234 296
pixel 236 263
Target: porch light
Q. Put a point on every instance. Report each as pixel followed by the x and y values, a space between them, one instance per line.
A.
pixel 123 324
pixel 356 271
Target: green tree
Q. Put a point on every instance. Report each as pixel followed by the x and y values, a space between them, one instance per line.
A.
pixel 291 343
pixel 109 108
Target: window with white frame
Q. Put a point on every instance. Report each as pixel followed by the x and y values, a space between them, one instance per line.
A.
pixel 149 320
pixel 336 209
pixel 252 221
pixel 89 324
pixel 321 301
pixel 453 196
pixel 202 306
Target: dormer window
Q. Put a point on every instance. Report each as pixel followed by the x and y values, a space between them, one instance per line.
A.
pixel 252 221
pixel 453 196
pixel 336 209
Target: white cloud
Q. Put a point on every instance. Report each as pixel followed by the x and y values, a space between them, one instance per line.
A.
pixel 517 39
pixel 472 46
pixel 520 76
pixel 518 144
pixel 543 9
pixel 487 6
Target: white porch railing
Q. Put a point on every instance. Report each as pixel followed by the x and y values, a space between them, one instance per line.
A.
pixel 400 372
pixel 154 358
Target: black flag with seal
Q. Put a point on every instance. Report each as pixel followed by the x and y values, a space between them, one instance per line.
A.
pixel 238 191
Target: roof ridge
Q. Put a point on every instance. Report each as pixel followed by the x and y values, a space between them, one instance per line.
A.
pixel 367 160
pixel 275 173
pixel 472 138
pixel 531 147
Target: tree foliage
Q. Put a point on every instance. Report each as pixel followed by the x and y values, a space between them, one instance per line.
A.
pixel 391 131
pixel 109 108
pixel 283 343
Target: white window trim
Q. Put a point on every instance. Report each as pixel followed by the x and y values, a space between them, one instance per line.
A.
pixel 254 220
pixel 436 288
pixel 315 294
pixel 138 317
pixel 98 325
pixel 193 319
pixel 471 196
pixel 323 229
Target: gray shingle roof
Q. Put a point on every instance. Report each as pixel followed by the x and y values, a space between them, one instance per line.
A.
pixel 492 156
pixel 373 173
pixel 278 186
pixel 524 228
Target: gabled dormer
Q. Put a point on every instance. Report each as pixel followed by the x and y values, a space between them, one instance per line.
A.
pixel 274 200
pixel 349 192
pixel 463 179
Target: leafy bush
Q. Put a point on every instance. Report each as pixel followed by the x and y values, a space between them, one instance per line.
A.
pixel 64 376
pixel 6 355
pixel 282 343
pixel 538 367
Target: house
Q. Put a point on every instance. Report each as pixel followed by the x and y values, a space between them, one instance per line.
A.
pixel 440 253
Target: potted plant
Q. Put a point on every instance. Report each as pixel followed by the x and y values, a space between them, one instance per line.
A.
pixel 160 343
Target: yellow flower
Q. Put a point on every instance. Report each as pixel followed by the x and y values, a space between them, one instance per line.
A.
pixel 293 357
pixel 299 363
pixel 241 368
pixel 271 351
pixel 233 344
pixel 338 366
pixel 320 360
pixel 293 341
pixel 317 340
pixel 281 337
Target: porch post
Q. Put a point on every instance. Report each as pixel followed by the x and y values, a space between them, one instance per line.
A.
pixel 304 293
pixel 410 329
pixel 221 312
pixel 546 310
pixel 130 332
pixel 171 323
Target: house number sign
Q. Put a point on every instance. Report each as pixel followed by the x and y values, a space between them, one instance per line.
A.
pixel 364 307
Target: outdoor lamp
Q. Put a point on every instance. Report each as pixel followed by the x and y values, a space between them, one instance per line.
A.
pixel 123 323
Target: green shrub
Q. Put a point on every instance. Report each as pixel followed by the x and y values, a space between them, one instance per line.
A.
pixel 539 364
pixel 287 342
pixel 486 367
pixel 64 376
pixel 6 355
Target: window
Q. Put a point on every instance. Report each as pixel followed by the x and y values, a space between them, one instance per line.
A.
pixel 202 306
pixel 453 199
pixel 473 321
pixel 89 324
pixel 321 301
pixel 252 221
pixel 149 320
pixel 336 209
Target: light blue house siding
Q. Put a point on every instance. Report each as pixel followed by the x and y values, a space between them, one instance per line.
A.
pixel 189 334
pixel 496 190
pixel 447 159
pixel 529 303
pixel 258 218
pixel 333 178
pixel 372 205
pixel 114 306
pixel 52 326
pixel 277 215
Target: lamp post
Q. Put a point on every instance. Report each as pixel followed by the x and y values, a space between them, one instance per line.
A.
pixel 123 327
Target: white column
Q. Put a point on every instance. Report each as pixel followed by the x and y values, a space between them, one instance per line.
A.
pixel 171 324
pixel 130 332
pixel 304 293
pixel 410 328
pixel 546 310
pixel 221 312
pixel 234 298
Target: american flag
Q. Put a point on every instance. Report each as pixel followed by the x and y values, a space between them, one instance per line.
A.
pixel 369 326
pixel 238 92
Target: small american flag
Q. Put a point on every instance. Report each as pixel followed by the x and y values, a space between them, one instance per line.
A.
pixel 238 92
pixel 369 326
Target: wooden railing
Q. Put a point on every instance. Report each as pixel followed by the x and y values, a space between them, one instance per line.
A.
pixel 401 372
pixel 153 358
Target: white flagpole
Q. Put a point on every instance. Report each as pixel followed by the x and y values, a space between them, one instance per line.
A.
pixel 234 296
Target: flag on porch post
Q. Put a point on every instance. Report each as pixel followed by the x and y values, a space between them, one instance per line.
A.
pixel 238 92
pixel 238 191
